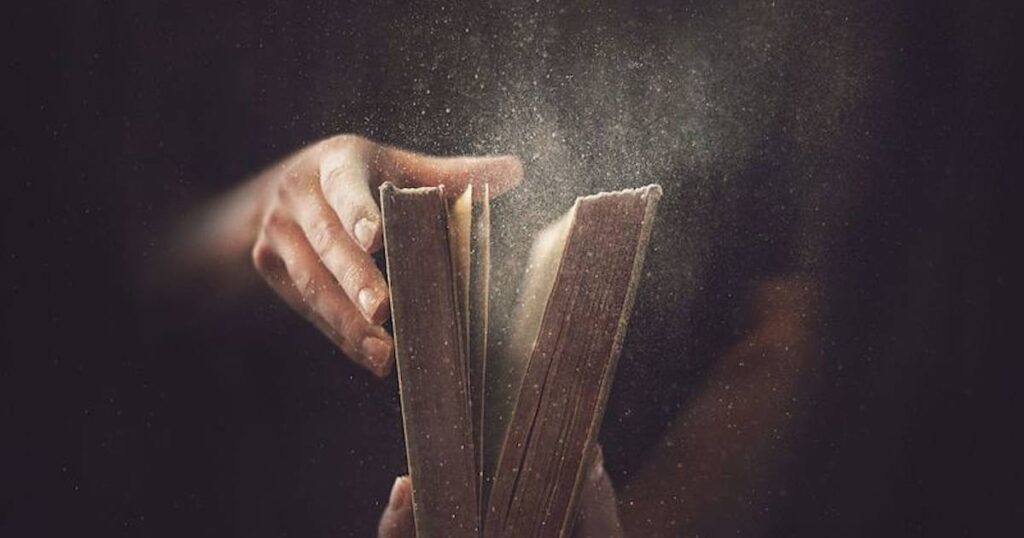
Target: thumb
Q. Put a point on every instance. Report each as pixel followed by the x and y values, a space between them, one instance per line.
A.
pixel 598 515
pixel 397 520
pixel 409 169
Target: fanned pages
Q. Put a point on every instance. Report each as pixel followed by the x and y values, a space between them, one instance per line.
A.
pixel 479 293
pixel 506 368
pixel 498 444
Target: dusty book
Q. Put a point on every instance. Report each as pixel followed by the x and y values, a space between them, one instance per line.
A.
pixel 498 441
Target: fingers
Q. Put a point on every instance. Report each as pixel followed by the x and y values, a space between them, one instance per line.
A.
pixel 397 520
pixel 346 182
pixel 321 222
pixel 291 267
pixel 353 268
pixel 409 169
pixel 351 168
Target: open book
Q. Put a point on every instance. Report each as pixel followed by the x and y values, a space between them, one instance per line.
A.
pixel 498 444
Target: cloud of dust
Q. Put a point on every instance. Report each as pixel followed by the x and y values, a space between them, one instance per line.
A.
pixel 607 97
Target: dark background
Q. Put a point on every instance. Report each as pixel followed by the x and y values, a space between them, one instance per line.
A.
pixel 129 412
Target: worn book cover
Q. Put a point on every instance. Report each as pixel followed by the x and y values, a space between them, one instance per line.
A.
pixel 498 443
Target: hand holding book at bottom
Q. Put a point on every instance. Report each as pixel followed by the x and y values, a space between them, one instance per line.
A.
pixel 598 514
pixel 501 441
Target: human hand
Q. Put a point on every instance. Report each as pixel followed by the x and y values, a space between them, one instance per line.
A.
pixel 598 516
pixel 318 224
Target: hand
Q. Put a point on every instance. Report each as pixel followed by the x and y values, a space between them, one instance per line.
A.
pixel 597 518
pixel 318 224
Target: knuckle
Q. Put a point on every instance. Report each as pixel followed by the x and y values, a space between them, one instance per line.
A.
pixel 282 191
pixel 323 235
pixel 262 255
pixel 353 275
pixel 351 326
pixel 340 169
pixel 307 286
pixel 345 160
pixel 274 222
pixel 345 141
pixel 290 183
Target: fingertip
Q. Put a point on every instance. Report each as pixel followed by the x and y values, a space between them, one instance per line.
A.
pixel 345 180
pixel 367 233
pixel 398 520
pixel 506 171
pixel 409 169
pixel 599 456
pixel 375 305
pixel 401 492
pixel 384 370
pixel 514 169
pixel 378 354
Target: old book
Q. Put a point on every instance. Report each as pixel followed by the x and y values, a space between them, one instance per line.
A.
pixel 498 441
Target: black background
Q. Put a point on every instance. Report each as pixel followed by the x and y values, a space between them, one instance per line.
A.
pixel 203 415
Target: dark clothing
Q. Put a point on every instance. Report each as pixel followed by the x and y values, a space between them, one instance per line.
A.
pixel 851 147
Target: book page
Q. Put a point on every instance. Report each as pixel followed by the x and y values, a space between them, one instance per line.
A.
pixel 504 373
pixel 573 355
pixel 460 221
pixel 479 303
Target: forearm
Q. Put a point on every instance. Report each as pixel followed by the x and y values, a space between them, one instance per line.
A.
pixel 216 241
pixel 208 248
pixel 723 459
pixel 309 226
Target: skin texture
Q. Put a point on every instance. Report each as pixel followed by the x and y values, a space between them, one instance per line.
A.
pixel 311 223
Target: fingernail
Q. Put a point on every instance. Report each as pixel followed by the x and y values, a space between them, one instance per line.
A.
pixel 366 231
pixel 398 494
pixel 376 351
pixel 368 301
